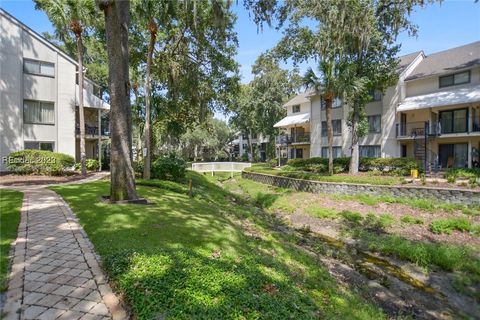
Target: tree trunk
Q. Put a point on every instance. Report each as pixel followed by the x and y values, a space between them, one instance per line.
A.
pixel 354 160
pixel 328 113
pixel 81 115
pixel 147 159
pixel 116 26
pixel 250 147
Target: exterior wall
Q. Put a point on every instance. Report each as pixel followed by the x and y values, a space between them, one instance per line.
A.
pixel 431 84
pixel 66 103
pixel 11 97
pixel 461 196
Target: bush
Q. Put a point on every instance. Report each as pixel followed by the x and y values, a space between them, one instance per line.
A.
pixel 448 225
pixel 138 168
pixel 273 163
pixel 91 165
pixel 319 165
pixel 39 162
pixel 408 219
pixel 168 168
pixel 400 166
pixel 453 174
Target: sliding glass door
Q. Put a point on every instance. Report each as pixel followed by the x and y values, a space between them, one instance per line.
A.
pixel 453 155
pixel 454 121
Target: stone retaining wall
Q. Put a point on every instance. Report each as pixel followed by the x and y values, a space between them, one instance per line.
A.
pixel 460 196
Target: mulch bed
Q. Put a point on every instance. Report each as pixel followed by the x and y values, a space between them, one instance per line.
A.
pixel 30 180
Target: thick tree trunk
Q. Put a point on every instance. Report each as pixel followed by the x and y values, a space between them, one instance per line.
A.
pixel 81 114
pixel 147 159
pixel 354 160
pixel 328 113
pixel 250 147
pixel 116 27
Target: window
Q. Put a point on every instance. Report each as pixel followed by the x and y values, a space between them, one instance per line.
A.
pixel 296 108
pixel 337 152
pixel 38 145
pixel 38 112
pixel 375 95
pixel 369 151
pixel 454 121
pixel 337 128
pixel 245 136
pixel 454 79
pixel 39 68
pixel 336 103
pixel 374 123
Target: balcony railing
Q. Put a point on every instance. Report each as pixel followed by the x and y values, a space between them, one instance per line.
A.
pixel 93 130
pixel 294 138
pixel 420 128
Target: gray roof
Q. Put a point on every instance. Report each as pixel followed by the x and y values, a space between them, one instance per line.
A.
pixel 448 61
pixel 299 99
pixel 406 60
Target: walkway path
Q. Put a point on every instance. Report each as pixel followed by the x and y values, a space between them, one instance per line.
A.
pixel 55 273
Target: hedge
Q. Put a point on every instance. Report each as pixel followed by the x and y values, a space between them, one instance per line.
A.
pixel 400 166
pixel 168 168
pixel 39 162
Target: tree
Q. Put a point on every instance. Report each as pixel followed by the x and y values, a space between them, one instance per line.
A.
pixel 70 19
pixel 122 186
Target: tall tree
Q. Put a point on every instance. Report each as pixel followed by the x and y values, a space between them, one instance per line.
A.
pixel 70 19
pixel 117 15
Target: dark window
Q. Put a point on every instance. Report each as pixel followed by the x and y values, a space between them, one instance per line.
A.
pixel 337 128
pixel 374 123
pixel 454 121
pixel 299 153
pixel 244 136
pixel 404 151
pixel 336 103
pixel 375 95
pixel 337 152
pixel 454 79
pixel 39 68
pixel 296 108
pixel 35 145
pixel 369 151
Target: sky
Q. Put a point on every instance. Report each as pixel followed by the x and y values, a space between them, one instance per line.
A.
pixel 441 26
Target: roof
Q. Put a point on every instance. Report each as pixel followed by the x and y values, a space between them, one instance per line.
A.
pixel 444 98
pixel 406 60
pixel 448 61
pixel 292 120
pixel 299 99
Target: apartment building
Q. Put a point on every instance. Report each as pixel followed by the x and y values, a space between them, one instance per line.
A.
pixel 240 145
pixel 432 114
pixel 39 97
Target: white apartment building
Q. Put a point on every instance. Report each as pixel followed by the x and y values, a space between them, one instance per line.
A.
pixel 431 114
pixel 39 96
pixel 240 145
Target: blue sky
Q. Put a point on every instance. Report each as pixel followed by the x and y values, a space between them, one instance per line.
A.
pixel 444 26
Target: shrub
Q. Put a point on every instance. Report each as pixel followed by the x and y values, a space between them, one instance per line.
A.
pixel 39 162
pixel 92 165
pixel 351 216
pixel 138 168
pixel 244 157
pixel 319 165
pixel 400 166
pixel 273 163
pixel 453 174
pixel 448 225
pixel 168 168
pixel 411 219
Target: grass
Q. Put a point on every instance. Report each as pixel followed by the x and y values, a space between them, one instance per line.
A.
pixel 409 219
pixel 323 213
pixel 450 224
pixel 185 257
pixel 10 205
pixel 339 178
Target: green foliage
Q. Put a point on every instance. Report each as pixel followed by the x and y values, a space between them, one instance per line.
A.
pixel 400 166
pixel 10 204
pixel 40 162
pixel 452 174
pixel 450 224
pixel 319 165
pixel 91 165
pixel 320 212
pixel 273 163
pixel 168 168
pixel 351 216
pixel 408 219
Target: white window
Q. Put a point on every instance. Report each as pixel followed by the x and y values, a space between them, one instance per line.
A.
pixel 39 68
pixel 337 152
pixel 37 145
pixel 38 112
pixel 374 123
pixel 369 151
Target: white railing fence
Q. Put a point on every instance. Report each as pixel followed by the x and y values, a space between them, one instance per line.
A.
pixel 220 166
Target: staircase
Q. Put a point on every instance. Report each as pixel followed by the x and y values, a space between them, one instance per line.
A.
pixel 426 157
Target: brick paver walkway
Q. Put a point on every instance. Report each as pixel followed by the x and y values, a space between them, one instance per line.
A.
pixel 55 273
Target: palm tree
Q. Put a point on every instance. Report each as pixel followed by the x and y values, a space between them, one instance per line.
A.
pixel 326 90
pixel 70 19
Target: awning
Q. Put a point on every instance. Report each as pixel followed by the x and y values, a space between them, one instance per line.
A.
pixel 443 98
pixel 292 120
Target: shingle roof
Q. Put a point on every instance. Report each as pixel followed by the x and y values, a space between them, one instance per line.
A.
pixel 448 61
pixel 406 60
pixel 299 99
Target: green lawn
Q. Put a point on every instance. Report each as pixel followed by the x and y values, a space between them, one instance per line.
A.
pixel 10 205
pixel 211 257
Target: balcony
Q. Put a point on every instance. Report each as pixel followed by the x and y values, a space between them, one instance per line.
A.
pixel 92 130
pixel 90 100
pixel 444 126
pixel 299 138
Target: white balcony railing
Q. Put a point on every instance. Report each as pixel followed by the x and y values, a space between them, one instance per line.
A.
pixel 90 100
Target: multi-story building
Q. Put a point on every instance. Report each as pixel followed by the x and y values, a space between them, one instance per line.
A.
pixel 39 96
pixel 432 114
pixel 240 145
